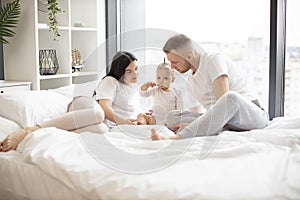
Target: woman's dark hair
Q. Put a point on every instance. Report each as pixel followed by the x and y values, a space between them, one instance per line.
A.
pixel 120 61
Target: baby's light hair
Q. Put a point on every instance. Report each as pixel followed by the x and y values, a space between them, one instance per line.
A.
pixel 166 66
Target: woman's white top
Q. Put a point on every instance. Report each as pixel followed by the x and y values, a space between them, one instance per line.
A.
pixel 163 102
pixel 211 66
pixel 121 96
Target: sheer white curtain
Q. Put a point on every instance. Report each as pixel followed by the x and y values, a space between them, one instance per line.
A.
pixel 292 65
pixel 238 28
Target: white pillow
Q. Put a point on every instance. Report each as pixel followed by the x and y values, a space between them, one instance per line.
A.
pixel 67 91
pixel 85 89
pixel 7 127
pixel 32 107
pixel 74 90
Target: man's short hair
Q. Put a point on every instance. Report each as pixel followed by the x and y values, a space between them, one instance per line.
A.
pixel 177 43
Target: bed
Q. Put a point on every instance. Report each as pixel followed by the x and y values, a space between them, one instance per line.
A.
pixel 125 164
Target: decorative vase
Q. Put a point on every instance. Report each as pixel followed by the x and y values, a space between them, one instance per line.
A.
pixel 48 62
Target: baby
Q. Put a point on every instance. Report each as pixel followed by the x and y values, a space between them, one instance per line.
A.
pixel 165 98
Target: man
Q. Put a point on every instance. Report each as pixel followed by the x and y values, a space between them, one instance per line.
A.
pixel 218 85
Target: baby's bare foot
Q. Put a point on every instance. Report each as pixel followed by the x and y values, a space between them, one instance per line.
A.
pixel 140 123
pixel 155 136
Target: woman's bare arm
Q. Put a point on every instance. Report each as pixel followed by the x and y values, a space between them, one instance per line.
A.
pixel 106 105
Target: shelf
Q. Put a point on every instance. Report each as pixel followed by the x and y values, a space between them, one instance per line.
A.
pixel 45 77
pixel 83 29
pixel 5 83
pixel 75 74
pixel 43 26
pixel 78 29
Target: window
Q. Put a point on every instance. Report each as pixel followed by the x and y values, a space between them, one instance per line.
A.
pixel 292 62
pixel 238 28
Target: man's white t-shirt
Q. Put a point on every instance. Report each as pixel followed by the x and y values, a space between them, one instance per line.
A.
pixel 189 102
pixel 121 96
pixel 211 66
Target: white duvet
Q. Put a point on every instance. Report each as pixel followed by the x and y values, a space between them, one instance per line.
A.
pixel 259 164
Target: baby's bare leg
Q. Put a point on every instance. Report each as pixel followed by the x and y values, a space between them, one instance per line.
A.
pixel 150 119
pixel 141 120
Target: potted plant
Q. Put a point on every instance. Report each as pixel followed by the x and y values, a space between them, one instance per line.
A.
pixel 9 18
pixel 53 9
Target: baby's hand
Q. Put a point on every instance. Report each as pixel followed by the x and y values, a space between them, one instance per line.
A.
pixel 147 85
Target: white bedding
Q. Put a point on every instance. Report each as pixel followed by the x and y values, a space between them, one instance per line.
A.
pixel 259 164
pixel 21 180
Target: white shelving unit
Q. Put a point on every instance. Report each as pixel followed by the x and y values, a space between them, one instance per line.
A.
pixel 13 87
pixel 82 26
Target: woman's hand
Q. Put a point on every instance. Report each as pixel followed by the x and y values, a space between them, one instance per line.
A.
pixel 148 84
pixel 178 127
pixel 111 115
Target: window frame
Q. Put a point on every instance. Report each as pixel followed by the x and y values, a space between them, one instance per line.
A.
pixel 277 58
pixel 276 55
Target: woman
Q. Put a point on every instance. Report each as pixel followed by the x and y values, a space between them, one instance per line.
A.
pixel 84 113
pixel 115 90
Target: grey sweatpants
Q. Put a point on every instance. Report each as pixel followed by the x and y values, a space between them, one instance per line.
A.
pixel 84 114
pixel 232 110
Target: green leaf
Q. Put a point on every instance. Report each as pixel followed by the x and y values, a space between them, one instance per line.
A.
pixel 53 10
pixel 9 18
pixel 4 41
